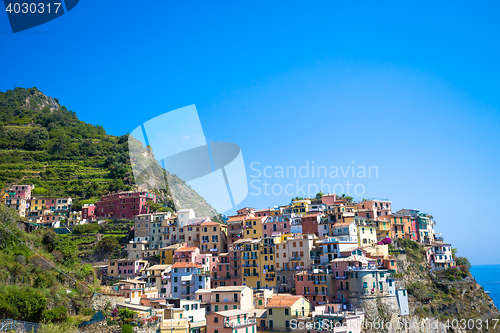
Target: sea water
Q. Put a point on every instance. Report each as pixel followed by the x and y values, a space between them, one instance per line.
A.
pixel 488 276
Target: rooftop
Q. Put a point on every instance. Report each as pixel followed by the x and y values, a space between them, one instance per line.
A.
pixel 230 313
pixel 229 288
pixel 283 301
pixel 186 265
pixel 186 249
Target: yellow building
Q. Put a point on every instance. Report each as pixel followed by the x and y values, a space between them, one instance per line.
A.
pixel 252 227
pixel 257 263
pixel 213 238
pixel 282 308
pixel 37 204
pixel 384 229
pixel 167 254
pixel 301 207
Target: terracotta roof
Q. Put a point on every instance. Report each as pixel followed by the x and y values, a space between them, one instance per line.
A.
pixel 342 224
pixel 283 301
pixel 186 249
pixel 210 223
pixel 311 215
pixel 236 218
pixel 186 264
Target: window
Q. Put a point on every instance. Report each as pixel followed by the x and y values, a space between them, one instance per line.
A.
pixel 216 308
pixel 270 312
pixel 287 323
pixel 216 319
pixel 287 312
pixel 260 302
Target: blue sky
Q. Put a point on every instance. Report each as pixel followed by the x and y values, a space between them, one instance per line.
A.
pixel 412 89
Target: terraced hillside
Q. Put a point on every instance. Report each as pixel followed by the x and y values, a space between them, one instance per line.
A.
pixel 44 143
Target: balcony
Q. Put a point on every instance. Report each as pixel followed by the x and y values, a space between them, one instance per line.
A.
pixel 356 268
pixel 295 258
pixel 250 265
pixel 314 293
pixel 269 279
pixel 187 283
pixel 320 282
pixel 239 323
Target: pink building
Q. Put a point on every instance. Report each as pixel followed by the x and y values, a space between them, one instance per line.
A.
pixel 21 191
pixel 124 204
pixel 186 254
pixel 374 209
pixel 88 212
pixel 439 255
pixel 206 260
pixel 126 267
pixel 275 225
pixel 351 260
pixel 329 199
pixel 231 321
pixel 315 286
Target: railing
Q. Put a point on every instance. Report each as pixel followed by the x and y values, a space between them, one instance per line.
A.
pixel 355 268
pixel 295 258
pixel 9 325
pixel 233 324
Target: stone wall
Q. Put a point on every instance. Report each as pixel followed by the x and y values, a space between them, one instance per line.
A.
pixel 100 327
pixel 99 302
pixel 152 329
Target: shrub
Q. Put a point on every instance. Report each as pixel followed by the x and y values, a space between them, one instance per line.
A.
pixel 453 274
pixel 88 312
pixel 462 261
pixel 418 290
pixel 127 329
pixel 55 315
pixel 57 328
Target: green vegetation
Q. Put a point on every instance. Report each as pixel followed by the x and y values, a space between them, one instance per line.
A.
pixel 127 329
pixel 30 281
pixel 44 143
pixel 55 315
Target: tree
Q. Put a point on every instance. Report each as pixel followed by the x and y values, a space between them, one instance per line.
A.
pixel 109 244
pixel 153 206
pixel 462 261
pixel 55 315
pixel 454 252
pixel 36 138
pixel 319 195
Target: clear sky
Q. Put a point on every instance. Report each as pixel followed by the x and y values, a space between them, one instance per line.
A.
pixel 411 89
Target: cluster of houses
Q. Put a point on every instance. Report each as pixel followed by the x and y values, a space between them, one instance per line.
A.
pixel 268 270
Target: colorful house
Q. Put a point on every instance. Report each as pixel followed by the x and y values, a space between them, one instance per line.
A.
pixel 439 255
pixel 124 204
pixel 231 321
pixel 282 308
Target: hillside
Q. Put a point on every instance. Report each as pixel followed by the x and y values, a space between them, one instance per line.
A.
pixel 44 143
pixel 436 296
pixel 39 272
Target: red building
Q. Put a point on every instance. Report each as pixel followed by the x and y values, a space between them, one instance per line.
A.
pixel 88 212
pixel 310 223
pixel 124 204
